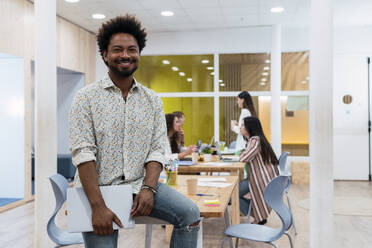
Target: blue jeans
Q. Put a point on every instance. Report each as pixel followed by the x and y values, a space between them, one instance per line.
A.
pixel 244 202
pixel 169 205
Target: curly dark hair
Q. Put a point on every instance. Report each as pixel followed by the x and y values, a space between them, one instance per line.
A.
pixel 121 24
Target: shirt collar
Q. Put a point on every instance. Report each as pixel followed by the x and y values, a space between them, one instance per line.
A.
pixel 107 83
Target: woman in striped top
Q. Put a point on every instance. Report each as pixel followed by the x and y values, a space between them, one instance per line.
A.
pixel 261 167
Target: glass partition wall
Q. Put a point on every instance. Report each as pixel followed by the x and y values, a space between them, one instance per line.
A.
pixel 188 83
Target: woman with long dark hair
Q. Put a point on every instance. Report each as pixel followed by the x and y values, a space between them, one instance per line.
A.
pixel 261 167
pixel 245 103
pixel 173 129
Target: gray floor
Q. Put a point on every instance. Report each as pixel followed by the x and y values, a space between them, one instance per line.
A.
pixel 350 231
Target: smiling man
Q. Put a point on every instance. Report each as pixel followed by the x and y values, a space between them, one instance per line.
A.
pixel 118 136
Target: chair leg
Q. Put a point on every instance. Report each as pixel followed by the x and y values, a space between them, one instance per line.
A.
pixel 237 243
pixel 228 224
pixel 249 211
pixel 273 245
pixel 290 239
pixel 223 241
pixel 148 234
pixel 290 209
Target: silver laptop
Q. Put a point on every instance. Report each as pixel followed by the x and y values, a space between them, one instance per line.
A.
pixel 225 159
pixel 118 198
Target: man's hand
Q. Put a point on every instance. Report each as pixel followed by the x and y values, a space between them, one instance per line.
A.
pixel 143 203
pixel 102 218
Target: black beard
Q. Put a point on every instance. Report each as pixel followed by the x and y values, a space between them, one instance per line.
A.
pixel 126 73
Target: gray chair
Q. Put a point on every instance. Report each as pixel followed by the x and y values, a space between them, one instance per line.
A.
pixel 283 171
pixel 283 162
pixel 232 145
pixel 273 195
pixel 56 234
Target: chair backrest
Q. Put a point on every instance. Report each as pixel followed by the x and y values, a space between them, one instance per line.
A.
pixel 56 234
pixel 283 161
pixel 273 195
pixel 232 145
pixel 60 186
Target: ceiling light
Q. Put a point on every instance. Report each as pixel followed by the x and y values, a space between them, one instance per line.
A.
pixel 222 85
pixel 263 83
pixel 210 68
pixel 182 74
pixel 267 61
pixel 166 62
pixel 220 80
pixel 278 9
pixel 98 16
pixel 264 79
pixel 72 1
pixel 303 81
pixel 167 13
pixel 175 68
pixel 212 73
pixel 265 73
pixel 189 79
pixel 205 61
pixel 266 68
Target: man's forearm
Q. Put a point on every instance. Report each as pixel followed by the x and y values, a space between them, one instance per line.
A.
pixel 89 180
pixel 153 170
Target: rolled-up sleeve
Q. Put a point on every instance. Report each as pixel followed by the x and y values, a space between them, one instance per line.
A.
pixel 158 146
pixel 83 146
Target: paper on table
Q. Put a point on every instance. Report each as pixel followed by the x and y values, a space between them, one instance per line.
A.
pixel 212 179
pixel 213 184
pixel 217 163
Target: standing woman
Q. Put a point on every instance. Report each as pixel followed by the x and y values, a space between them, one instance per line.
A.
pixel 262 167
pixel 245 102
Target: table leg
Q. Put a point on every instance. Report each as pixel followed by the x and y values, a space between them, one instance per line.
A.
pixel 168 233
pixel 235 211
pixel 241 174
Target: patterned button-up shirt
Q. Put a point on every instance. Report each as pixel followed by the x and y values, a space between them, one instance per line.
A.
pixel 120 136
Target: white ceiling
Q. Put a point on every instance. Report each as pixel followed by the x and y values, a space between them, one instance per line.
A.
pixel 208 14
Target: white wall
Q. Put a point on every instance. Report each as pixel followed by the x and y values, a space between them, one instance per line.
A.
pixel 101 68
pixel 233 40
pixel 67 85
pixel 353 41
pixel 12 127
pixel 350 120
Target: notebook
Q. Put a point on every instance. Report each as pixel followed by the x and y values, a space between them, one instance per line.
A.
pixel 118 198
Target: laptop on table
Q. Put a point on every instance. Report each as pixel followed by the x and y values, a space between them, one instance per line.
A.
pixel 225 159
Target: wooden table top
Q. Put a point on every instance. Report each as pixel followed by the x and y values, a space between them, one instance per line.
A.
pixel 223 194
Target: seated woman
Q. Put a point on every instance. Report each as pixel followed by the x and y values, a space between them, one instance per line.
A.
pixel 173 128
pixel 261 166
